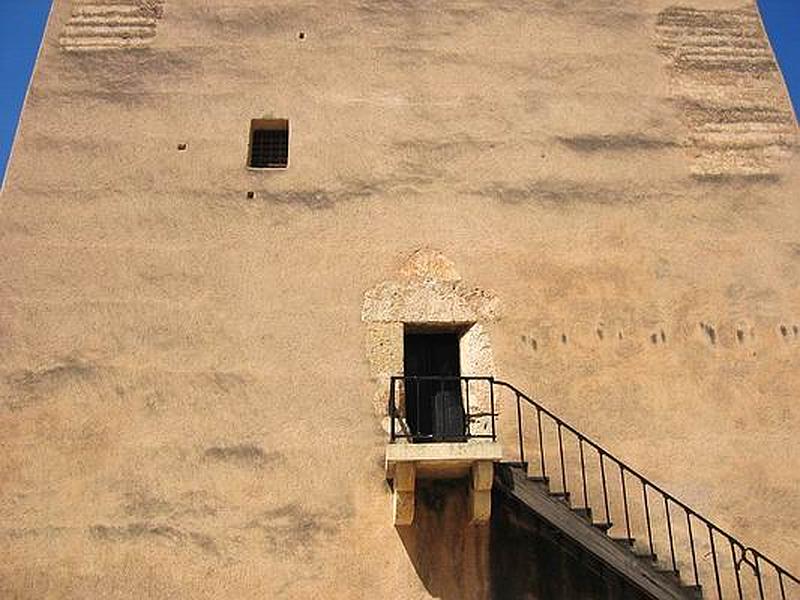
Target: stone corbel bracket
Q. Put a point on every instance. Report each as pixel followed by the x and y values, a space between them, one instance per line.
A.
pixel 405 463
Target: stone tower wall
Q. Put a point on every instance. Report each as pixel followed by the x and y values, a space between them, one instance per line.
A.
pixel 187 399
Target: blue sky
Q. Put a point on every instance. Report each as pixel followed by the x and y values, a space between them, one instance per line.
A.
pixel 782 21
pixel 22 23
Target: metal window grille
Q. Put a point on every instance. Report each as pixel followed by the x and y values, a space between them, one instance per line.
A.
pixel 269 148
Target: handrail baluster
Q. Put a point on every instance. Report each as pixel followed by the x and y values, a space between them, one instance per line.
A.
pixel 561 458
pixel 491 407
pixel 519 430
pixel 691 544
pixel 714 560
pixel 605 488
pixel 541 443
pixel 466 412
pixel 583 474
pixel 758 577
pixel 392 410
pixel 647 518
pixel 669 532
pixel 736 567
pixel 625 501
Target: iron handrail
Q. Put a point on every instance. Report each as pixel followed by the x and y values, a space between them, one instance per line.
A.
pixel 756 556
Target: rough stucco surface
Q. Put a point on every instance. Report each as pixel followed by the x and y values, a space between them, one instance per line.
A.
pixel 186 403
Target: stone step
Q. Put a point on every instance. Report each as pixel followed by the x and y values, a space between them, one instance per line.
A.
pixel 721 41
pixel 116 9
pixel 113 10
pixel 737 54
pixel 104 43
pixel 741 128
pixel 708 19
pixel 646 556
pixel 585 513
pixel 112 21
pixel 741 143
pixel 138 4
pixel 96 48
pixel 693 592
pixel 727 59
pixel 735 28
pixel 715 51
pixel 116 32
pixel 542 480
pixel 626 542
pixel 603 526
pixel 673 574
pixel 731 65
pixel 740 157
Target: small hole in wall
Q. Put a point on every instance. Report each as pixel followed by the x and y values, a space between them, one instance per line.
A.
pixel 563 338
pixel 302 35
pixel 251 195
pixel 181 147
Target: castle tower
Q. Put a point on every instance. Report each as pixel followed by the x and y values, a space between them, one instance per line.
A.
pixel 227 225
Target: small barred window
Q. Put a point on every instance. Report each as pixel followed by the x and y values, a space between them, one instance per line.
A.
pixel 269 144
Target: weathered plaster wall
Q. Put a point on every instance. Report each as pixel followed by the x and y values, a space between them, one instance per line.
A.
pixel 186 402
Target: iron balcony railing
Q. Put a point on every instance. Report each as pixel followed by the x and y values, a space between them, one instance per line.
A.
pixel 441 408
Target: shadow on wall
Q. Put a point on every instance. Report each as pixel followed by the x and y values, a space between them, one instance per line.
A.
pixel 531 560
pixel 449 554
pixel 515 557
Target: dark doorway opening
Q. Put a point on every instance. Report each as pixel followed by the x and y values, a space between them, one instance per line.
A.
pixel 434 409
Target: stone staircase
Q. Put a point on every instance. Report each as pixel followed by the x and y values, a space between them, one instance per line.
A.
pixel 601 505
pixel 620 555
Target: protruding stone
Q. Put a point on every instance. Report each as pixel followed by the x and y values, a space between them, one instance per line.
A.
pixel 403 508
pixel 481 491
pixel 427 263
pixel 482 475
pixel 404 483
pixel 404 477
pixel 480 506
